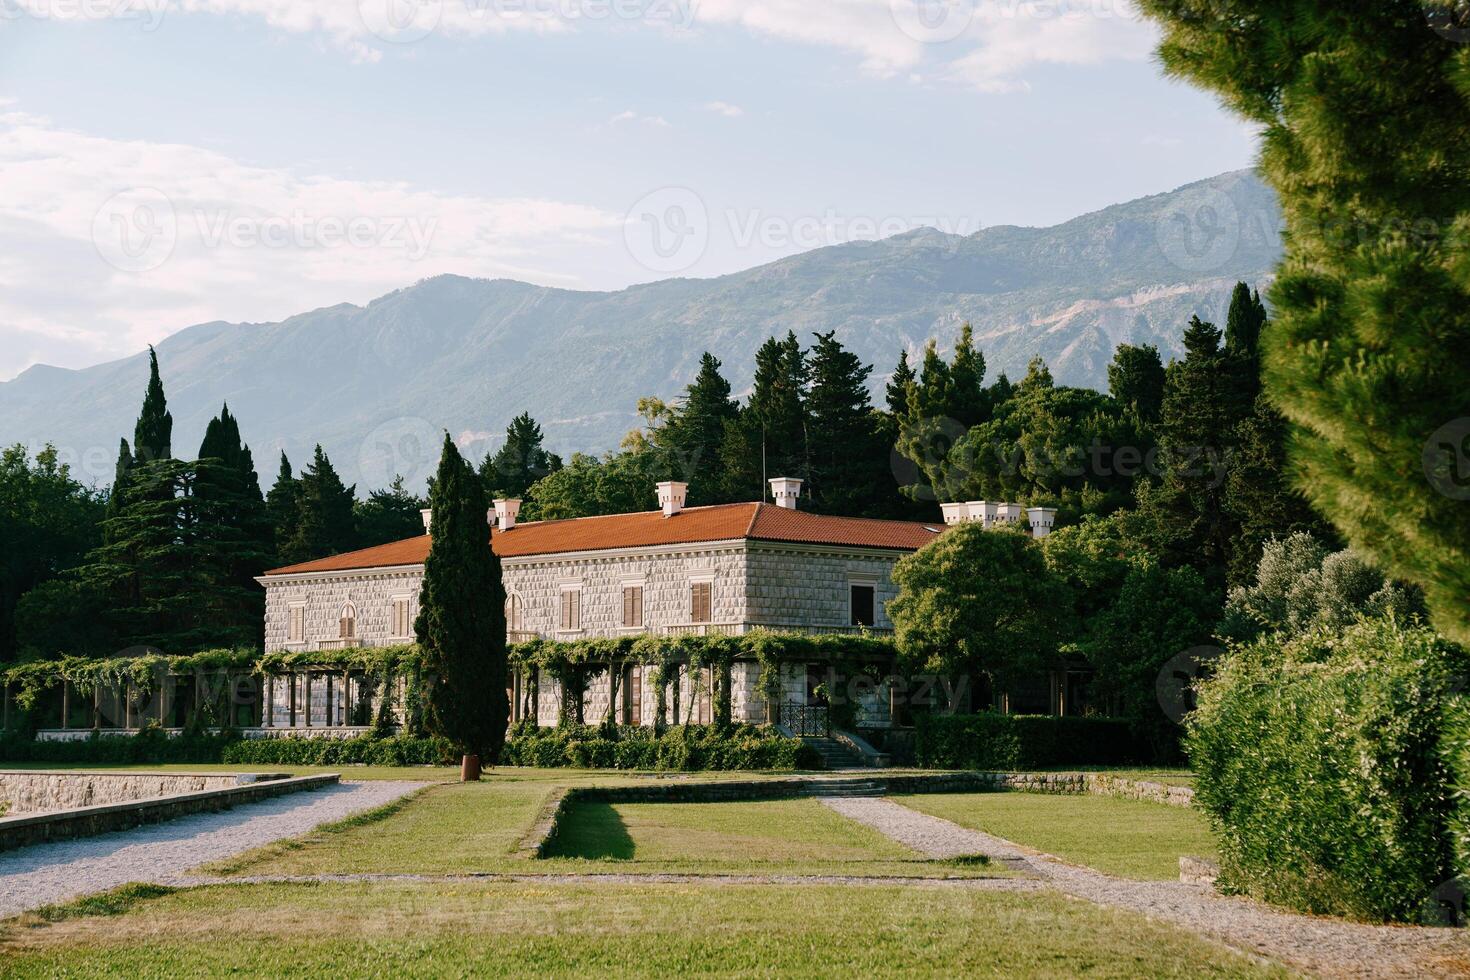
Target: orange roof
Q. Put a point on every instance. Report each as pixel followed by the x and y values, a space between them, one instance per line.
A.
pixel 650 529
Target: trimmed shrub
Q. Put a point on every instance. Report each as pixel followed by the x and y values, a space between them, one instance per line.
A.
pixel 152 746
pixel 994 741
pixel 1322 764
pixel 683 749
pixel 148 746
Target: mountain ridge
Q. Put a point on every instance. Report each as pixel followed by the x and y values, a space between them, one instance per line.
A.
pixel 377 384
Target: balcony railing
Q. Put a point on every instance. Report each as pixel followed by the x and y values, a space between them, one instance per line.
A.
pixel 740 629
pixel 521 636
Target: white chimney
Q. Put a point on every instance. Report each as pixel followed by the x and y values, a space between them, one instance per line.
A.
pixel 506 511
pixel 785 489
pixel 984 511
pixel 428 516
pixel 1009 513
pixel 671 496
pixel 955 513
pixel 1042 520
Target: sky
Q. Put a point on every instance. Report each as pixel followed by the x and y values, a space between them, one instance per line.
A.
pixel 171 162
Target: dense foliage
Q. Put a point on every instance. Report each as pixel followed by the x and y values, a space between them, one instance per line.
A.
pixel 683 748
pixel 1321 761
pixel 461 621
pixel 990 741
pixel 1364 108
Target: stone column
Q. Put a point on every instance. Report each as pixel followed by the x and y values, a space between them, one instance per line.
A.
pixel 65 703
pixel 97 707
pixel 268 710
pixel 307 675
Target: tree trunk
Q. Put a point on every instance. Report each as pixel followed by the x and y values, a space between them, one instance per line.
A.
pixel 469 769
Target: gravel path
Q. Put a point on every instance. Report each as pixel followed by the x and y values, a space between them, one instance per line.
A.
pixel 47 873
pixel 1325 947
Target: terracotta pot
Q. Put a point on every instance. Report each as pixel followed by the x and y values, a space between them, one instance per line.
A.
pixel 469 769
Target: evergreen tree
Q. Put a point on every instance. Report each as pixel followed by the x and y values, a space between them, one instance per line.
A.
pixel 325 519
pixel 234 540
pixel 1136 381
pixel 118 495
pixel 849 462
pixel 461 621
pixel 1372 302
pixel 966 377
pixel 1183 517
pixel 153 434
pixel 283 507
pixel 510 471
pixel 777 410
pixel 697 429
pixel 898 386
pixel 388 515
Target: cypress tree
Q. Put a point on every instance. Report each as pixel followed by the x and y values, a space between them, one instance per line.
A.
pixel 1365 110
pixel 849 462
pixel 283 507
pixel 234 538
pixel 897 390
pixel 153 433
pixel 461 620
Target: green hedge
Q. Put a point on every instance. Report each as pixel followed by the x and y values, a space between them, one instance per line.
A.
pixel 678 749
pixel 1010 742
pixel 153 747
pixel 1322 764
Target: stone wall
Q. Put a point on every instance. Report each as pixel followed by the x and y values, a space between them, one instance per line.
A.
pixel 33 791
pixel 797 585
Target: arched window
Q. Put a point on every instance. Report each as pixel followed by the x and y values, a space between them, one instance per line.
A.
pixel 514 614
pixel 347 625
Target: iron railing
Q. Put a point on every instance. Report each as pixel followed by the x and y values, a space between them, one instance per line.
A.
pixel 808 720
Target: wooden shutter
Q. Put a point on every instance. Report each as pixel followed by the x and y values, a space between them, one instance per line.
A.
pixel 700 602
pixel 633 605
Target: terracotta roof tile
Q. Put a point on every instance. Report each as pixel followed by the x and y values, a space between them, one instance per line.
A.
pixel 650 529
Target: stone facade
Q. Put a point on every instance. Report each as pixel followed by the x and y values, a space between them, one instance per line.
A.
pixel 751 584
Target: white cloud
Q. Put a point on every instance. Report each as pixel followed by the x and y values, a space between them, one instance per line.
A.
pixel 986 44
pixel 629 116
pixel 725 109
pixel 155 236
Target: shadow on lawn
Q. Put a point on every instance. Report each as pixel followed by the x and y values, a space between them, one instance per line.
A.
pixel 593 831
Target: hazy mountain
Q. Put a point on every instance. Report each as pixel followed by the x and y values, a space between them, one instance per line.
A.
pixel 377 384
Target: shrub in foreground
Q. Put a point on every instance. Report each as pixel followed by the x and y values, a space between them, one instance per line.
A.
pixel 992 741
pixel 1324 765
pixel 694 747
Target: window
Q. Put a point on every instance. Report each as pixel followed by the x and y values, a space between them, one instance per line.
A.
pixel 401 622
pixel 347 625
pixel 700 601
pixel 296 624
pixel 515 617
pixel 632 606
pixel 633 694
pixel 862 605
pixel 571 609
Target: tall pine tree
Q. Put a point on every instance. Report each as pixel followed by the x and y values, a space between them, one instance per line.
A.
pixel 512 469
pixel 696 431
pixel 461 620
pixel 849 462
pixel 283 507
pixel 324 514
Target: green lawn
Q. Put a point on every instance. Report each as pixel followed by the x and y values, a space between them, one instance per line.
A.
pixel 476 828
pixel 721 834
pixel 1128 838
pixel 499 929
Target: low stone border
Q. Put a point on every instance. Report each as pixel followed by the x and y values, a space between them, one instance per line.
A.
pixel 31 791
pixel 539 838
pixel 36 828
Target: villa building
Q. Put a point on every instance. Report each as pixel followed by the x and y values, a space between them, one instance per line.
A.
pixel 721 569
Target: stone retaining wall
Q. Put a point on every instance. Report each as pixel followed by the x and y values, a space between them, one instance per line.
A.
pixel 36 828
pixel 33 791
